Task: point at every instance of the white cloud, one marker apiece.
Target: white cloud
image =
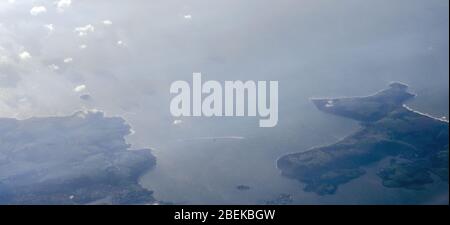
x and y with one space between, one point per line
83 31
80 88
63 5
11 1
50 27
24 55
53 67
177 122
188 16
107 22
83 46
68 60
36 10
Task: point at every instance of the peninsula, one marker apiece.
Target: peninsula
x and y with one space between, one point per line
416 144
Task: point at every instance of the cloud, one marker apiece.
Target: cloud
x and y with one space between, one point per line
24 55
107 22
53 67
187 16
68 60
83 31
177 122
49 27
63 5
80 88
36 10
162 50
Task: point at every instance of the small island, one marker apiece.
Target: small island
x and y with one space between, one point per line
242 187
417 143
281 199
77 159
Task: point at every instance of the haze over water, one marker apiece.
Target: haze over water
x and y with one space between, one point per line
126 62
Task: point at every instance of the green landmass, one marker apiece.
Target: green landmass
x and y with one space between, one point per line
388 129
